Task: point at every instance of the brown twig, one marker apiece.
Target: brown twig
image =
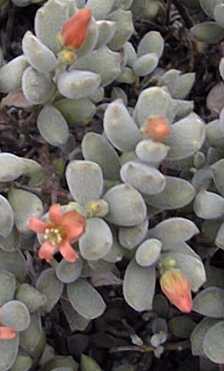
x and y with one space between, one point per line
179 346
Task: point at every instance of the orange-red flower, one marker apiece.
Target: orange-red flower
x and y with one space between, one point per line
58 233
177 288
74 31
7 333
157 128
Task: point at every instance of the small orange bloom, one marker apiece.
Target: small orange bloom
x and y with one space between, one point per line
7 333
157 128
177 288
58 233
74 31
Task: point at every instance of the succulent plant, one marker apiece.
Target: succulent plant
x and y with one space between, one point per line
141 153
137 192
211 31
67 76
22 338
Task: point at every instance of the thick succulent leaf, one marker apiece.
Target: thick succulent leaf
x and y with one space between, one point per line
152 42
130 237
85 180
89 364
8 353
25 204
52 126
97 240
139 286
11 167
120 127
61 363
100 10
198 335
106 31
85 299
130 54
154 101
7 286
176 194
209 229
78 84
209 6
219 240
75 320
11 74
31 297
213 344
183 108
98 95
49 285
38 55
76 111
22 363
147 180
37 87
214 277
97 149
208 32
186 138
127 76
33 340
34 171
191 266
209 205
10 243
15 314
151 152
102 61
128 156
69 272
218 175
202 178
126 206
148 253
146 64
210 302
215 133
179 85
48 21
118 93
116 252
180 247
174 230
218 90
13 262
6 217
125 28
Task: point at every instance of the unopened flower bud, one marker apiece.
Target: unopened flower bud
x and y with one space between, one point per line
156 128
177 289
74 31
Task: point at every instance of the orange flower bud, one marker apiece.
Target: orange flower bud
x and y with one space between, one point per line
7 333
74 31
177 289
157 128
